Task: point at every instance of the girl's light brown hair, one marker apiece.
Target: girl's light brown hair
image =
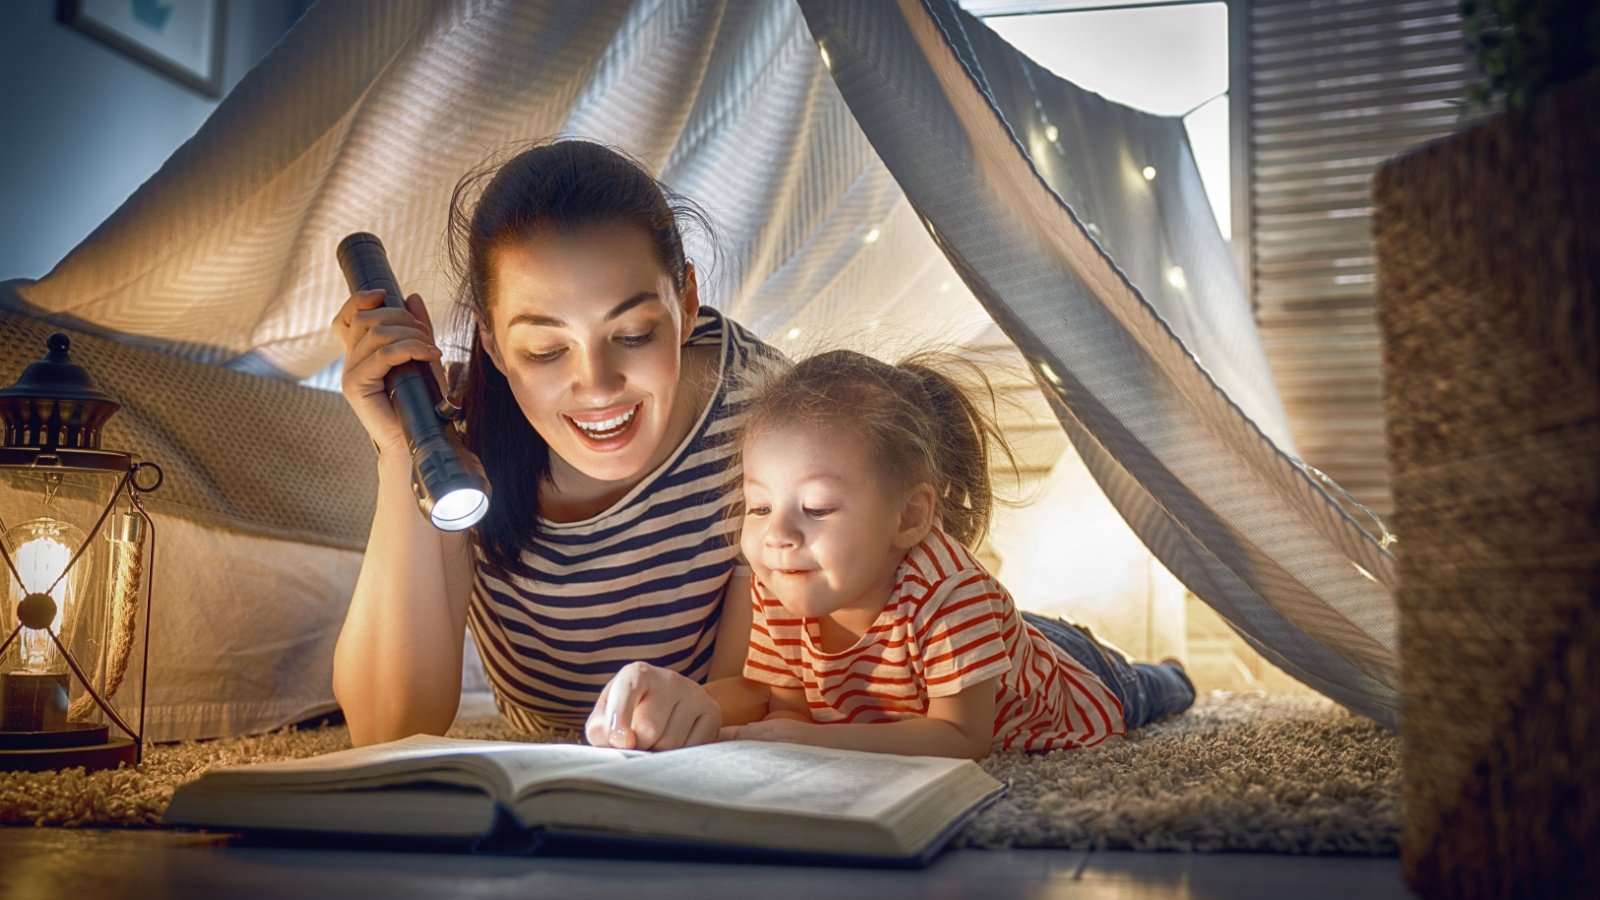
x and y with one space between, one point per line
919 422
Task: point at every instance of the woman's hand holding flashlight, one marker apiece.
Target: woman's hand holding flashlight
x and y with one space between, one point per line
377 338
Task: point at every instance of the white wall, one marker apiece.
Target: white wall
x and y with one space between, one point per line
85 125
1167 60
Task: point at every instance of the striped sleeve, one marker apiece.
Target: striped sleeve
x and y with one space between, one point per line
961 630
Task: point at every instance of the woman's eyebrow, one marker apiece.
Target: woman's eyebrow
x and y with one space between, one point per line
553 322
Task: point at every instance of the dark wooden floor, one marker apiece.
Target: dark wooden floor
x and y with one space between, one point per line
109 865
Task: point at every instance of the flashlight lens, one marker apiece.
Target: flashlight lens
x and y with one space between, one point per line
460 509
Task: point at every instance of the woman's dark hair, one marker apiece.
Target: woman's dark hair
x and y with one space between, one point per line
920 424
561 187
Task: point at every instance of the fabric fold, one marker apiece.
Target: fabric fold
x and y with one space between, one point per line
1194 471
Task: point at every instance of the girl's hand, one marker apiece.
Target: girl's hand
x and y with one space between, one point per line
781 730
646 707
377 338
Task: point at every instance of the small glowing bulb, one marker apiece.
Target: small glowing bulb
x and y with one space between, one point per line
1176 279
40 561
872 236
794 333
944 287
1049 373
1050 133
1149 173
826 59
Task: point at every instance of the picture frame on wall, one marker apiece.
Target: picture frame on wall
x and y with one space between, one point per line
182 39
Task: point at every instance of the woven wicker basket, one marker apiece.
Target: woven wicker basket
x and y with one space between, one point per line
1488 250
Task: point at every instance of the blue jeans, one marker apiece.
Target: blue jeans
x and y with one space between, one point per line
1149 691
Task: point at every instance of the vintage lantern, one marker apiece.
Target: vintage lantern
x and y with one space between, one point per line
76 557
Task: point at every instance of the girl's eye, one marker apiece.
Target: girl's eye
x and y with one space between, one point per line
547 356
636 340
817 513
757 510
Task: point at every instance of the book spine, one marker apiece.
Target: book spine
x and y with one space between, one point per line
508 835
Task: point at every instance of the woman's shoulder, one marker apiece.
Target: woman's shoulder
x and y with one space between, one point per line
742 350
743 363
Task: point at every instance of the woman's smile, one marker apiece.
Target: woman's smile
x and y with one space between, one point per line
589 331
606 430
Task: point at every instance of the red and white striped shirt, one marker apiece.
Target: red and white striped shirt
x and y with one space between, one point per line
947 625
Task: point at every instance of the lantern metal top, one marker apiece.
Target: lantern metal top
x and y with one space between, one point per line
55 405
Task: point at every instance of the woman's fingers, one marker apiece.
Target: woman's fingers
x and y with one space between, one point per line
417 308
623 695
645 707
704 730
401 341
344 320
381 350
596 730
675 712
681 720
376 339
394 336
365 311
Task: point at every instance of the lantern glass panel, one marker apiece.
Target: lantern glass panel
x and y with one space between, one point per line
48 516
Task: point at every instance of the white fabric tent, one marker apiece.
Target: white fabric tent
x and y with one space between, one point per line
366 114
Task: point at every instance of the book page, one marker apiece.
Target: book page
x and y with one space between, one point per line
503 768
792 777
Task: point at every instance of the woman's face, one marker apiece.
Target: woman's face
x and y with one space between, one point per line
587 329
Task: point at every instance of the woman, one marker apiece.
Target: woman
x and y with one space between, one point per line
600 397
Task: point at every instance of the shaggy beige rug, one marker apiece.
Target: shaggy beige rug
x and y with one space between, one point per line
1282 774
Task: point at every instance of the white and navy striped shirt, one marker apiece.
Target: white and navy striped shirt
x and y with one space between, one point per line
642 580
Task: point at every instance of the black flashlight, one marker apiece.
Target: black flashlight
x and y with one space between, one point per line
446 477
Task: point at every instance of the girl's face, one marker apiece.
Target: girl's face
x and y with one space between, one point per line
821 529
587 329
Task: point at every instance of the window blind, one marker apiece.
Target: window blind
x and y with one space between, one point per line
1332 88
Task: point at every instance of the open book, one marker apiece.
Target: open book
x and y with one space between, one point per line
782 800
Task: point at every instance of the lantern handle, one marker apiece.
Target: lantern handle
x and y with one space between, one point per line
138 469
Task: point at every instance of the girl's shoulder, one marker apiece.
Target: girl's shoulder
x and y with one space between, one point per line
940 578
940 561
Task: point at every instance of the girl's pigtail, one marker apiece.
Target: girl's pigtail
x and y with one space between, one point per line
961 439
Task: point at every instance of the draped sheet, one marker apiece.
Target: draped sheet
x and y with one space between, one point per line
365 115
1197 478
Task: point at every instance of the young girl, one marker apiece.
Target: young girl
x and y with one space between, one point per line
865 485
